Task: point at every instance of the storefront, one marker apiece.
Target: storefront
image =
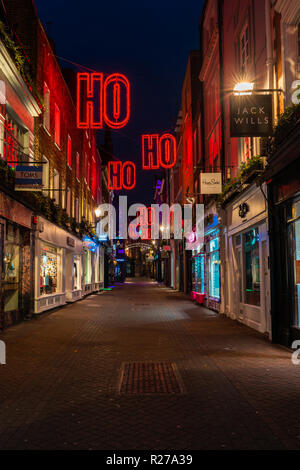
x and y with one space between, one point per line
284 219
206 266
16 273
247 275
92 253
58 267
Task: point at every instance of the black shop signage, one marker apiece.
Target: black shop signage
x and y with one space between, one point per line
251 115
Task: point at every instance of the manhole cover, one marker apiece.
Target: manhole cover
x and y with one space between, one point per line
147 378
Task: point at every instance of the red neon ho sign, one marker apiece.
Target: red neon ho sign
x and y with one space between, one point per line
158 151
100 100
121 175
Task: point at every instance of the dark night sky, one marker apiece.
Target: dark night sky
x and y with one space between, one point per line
147 41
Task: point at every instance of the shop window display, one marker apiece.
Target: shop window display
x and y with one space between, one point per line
214 269
199 274
294 236
50 264
252 267
11 264
76 272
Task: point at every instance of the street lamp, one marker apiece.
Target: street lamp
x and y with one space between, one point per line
98 212
243 88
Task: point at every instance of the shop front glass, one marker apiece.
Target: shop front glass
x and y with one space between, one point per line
200 273
214 268
49 270
88 266
11 266
76 273
294 238
252 267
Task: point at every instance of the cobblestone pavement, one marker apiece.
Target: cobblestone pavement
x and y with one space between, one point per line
59 388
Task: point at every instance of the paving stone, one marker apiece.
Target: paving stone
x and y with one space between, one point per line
59 389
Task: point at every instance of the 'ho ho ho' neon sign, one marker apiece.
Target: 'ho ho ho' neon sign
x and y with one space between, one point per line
102 101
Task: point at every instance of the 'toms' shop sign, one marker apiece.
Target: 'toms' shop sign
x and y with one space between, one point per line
251 115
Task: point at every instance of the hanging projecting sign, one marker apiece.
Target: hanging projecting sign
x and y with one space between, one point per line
29 178
251 116
211 183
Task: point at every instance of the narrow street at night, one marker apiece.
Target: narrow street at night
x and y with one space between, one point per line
216 384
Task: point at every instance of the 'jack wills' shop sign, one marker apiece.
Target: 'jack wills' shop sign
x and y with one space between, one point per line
251 115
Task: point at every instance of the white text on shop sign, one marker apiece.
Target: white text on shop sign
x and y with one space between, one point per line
28 177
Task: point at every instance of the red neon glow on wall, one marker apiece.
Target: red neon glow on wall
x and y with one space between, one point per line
121 175
150 152
86 85
167 150
129 175
158 152
116 79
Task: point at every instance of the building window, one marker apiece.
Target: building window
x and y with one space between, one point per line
84 208
49 270
85 167
89 174
57 125
56 186
77 166
252 267
244 49
14 141
45 175
77 209
46 116
68 201
69 152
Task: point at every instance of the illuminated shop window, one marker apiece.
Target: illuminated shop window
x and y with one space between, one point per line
214 268
57 125
49 270
200 274
294 255
11 272
252 267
